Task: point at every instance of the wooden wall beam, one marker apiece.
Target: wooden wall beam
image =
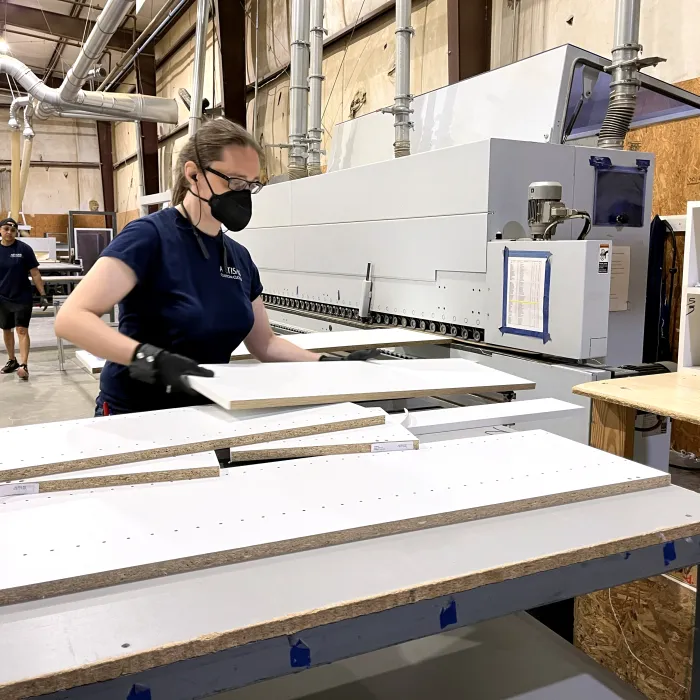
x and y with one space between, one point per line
229 18
146 85
104 143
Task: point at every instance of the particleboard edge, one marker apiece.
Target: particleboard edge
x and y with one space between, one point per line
273 453
283 402
190 448
76 584
94 482
269 629
635 401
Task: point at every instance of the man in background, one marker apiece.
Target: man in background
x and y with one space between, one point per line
17 263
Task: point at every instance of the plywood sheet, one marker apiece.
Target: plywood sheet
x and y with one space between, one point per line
262 511
333 341
182 617
53 448
279 384
673 394
201 465
468 417
389 437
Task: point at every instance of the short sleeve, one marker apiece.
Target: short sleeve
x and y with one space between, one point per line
256 287
138 246
30 258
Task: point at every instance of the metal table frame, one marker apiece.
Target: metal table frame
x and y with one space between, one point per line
240 666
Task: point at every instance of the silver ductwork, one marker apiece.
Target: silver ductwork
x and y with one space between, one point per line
624 81
104 28
401 109
315 88
200 49
298 89
71 98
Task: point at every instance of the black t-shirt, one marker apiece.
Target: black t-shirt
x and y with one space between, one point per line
16 261
182 302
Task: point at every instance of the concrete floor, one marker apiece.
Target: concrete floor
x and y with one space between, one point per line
49 395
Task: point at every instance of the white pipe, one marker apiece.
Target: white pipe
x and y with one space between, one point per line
402 99
200 49
315 88
24 170
298 89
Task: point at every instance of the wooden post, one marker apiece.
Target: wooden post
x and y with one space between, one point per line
612 428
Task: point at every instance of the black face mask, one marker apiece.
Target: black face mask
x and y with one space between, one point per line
233 208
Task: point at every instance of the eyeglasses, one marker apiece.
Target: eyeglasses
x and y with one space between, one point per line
238 184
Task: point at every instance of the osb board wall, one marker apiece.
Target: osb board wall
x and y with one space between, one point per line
677 149
124 217
127 180
655 618
58 223
359 77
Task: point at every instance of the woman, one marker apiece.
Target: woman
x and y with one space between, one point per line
188 294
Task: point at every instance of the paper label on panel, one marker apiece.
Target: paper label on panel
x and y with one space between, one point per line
526 294
18 489
620 278
391 446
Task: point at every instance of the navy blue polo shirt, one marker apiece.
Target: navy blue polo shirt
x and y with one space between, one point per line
16 261
183 302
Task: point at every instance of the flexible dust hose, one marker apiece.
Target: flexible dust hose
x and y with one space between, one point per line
24 171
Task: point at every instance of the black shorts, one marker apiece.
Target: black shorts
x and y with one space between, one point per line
13 315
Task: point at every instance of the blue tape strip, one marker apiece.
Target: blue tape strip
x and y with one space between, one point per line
669 553
544 335
300 655
139 692
448 615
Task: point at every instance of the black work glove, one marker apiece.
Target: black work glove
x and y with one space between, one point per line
357 356
44 302
154 365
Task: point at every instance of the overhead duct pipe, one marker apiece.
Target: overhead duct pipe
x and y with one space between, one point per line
401 108
624 78
200 49
315 88
298 89
95 105
71 97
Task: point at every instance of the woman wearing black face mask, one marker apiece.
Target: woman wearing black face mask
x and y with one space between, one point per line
188 294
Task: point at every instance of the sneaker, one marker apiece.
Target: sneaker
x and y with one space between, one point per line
10 367
23 372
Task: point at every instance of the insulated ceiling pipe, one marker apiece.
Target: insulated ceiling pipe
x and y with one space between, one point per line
106 24
200 51
94 105
624 81
298 89
315 88
401 109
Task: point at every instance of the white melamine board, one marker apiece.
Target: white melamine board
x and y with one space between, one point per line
354 340
277 507
284 384
192 466
378 438
189 614
90 362
52 448
317 342
467 417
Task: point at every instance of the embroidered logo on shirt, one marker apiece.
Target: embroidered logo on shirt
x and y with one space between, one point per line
231 273
16 255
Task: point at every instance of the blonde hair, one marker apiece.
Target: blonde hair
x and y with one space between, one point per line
206 146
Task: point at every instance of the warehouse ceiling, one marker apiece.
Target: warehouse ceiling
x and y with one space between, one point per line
46 35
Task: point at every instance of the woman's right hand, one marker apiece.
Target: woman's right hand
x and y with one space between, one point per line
154 365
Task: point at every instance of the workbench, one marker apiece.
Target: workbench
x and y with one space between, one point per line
616 402
189 635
